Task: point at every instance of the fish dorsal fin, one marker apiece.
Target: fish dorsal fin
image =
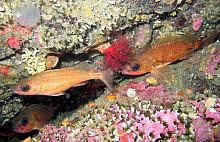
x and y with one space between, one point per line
166 38
161 73
189 36
84 66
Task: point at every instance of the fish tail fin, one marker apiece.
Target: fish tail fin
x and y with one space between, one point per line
212 37
107 78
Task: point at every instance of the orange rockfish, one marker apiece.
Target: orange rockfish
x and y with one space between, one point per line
164 51
32 118
55 82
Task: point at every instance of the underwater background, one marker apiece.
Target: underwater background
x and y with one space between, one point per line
109 70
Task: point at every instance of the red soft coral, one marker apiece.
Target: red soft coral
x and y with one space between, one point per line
118 53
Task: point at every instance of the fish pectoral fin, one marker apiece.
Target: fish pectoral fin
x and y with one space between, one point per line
107 78
80 84
58 94
160 74
185 57
39 129
162 66
190 54
164 39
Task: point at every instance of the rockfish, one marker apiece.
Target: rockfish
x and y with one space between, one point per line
55 82
32 118
164 51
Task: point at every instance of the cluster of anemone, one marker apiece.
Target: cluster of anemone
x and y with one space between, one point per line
136 121
140 120
53 133
207 120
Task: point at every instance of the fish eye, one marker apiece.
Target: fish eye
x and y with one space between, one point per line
135 67
24 121
25 88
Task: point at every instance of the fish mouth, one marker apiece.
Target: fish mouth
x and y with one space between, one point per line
13 127
14 90
126 72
